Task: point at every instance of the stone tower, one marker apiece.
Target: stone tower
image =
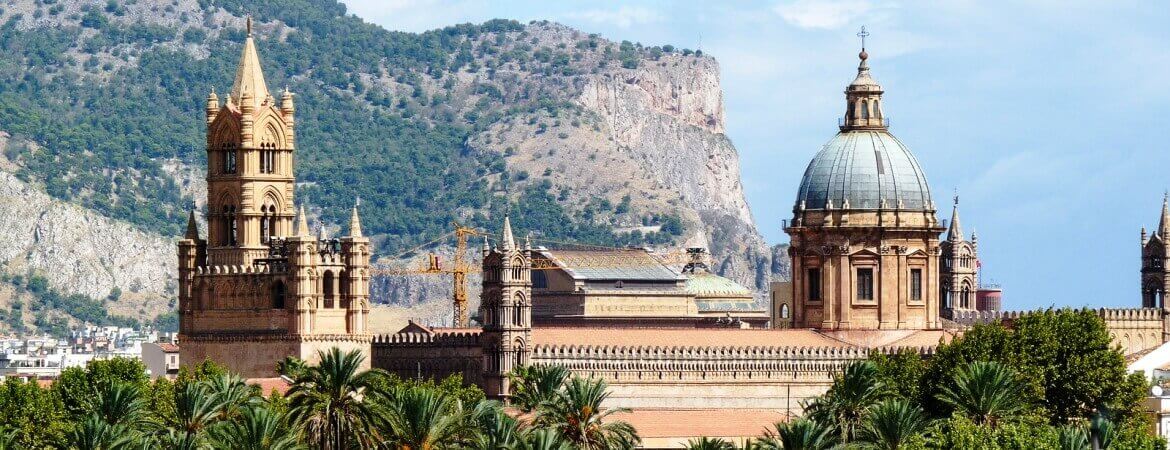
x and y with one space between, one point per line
864 236
960 268
261 287
1155 276
506 311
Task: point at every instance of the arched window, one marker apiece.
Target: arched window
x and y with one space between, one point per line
784 311
327 283
864 109
517 311
230 227
278 295
229 157
267 222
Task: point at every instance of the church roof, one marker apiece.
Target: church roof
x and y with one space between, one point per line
610 264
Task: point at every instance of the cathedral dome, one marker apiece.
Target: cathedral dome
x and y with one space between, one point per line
864 169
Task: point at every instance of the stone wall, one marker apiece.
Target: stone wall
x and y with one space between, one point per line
437 356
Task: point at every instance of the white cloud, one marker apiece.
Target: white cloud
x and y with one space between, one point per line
823 14
623 17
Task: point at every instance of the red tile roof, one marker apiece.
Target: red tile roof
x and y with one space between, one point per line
279 384
168 347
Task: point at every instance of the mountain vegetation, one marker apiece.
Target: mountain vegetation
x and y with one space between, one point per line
111 101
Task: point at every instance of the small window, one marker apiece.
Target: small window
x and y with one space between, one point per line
784 311
619 285
813 284
865 284
915 284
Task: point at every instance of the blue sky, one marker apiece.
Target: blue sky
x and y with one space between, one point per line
1050 118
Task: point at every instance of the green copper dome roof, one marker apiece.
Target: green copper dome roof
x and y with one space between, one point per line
870 169
706 284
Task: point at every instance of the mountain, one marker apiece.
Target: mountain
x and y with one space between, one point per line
578 138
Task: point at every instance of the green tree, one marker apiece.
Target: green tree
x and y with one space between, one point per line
892 425
986 392
422 418
257 428
706 443
799 434
35 416
81 388
330 401
846 404
576 415
535 385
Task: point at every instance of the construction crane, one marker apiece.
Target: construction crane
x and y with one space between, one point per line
458 271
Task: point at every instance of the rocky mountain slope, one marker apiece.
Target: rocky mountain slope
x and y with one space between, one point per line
581 139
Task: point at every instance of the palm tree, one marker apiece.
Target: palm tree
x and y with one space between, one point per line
95 434
987 392
576 414
533 385
329 401
799 434
196 410
7 439
706 443
421 418
120 404
542 439
1073 437
854 391
891 425
291 367
497 431
231 394
257 428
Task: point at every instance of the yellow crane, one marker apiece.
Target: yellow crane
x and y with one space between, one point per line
458 271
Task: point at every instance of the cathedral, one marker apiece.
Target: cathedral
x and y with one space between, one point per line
864 234
260 287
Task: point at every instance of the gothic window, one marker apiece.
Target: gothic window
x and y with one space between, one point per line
915 284
278 295
327 284
267 222
229 158
813 284
865 284
517 311
965 296
230 227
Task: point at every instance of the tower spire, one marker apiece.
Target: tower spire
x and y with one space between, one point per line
1164 224
249 76
955 233
192 227
355 222
508 241
302 223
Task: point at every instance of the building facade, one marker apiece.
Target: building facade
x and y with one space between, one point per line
864 235
260 287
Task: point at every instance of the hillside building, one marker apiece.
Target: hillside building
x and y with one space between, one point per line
260 287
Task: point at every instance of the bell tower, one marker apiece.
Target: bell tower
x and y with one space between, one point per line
250 142
960 268
506 311
1155 277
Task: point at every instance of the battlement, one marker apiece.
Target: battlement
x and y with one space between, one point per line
238 270
979 317
448 339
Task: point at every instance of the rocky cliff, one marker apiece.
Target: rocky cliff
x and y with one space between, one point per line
456 124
